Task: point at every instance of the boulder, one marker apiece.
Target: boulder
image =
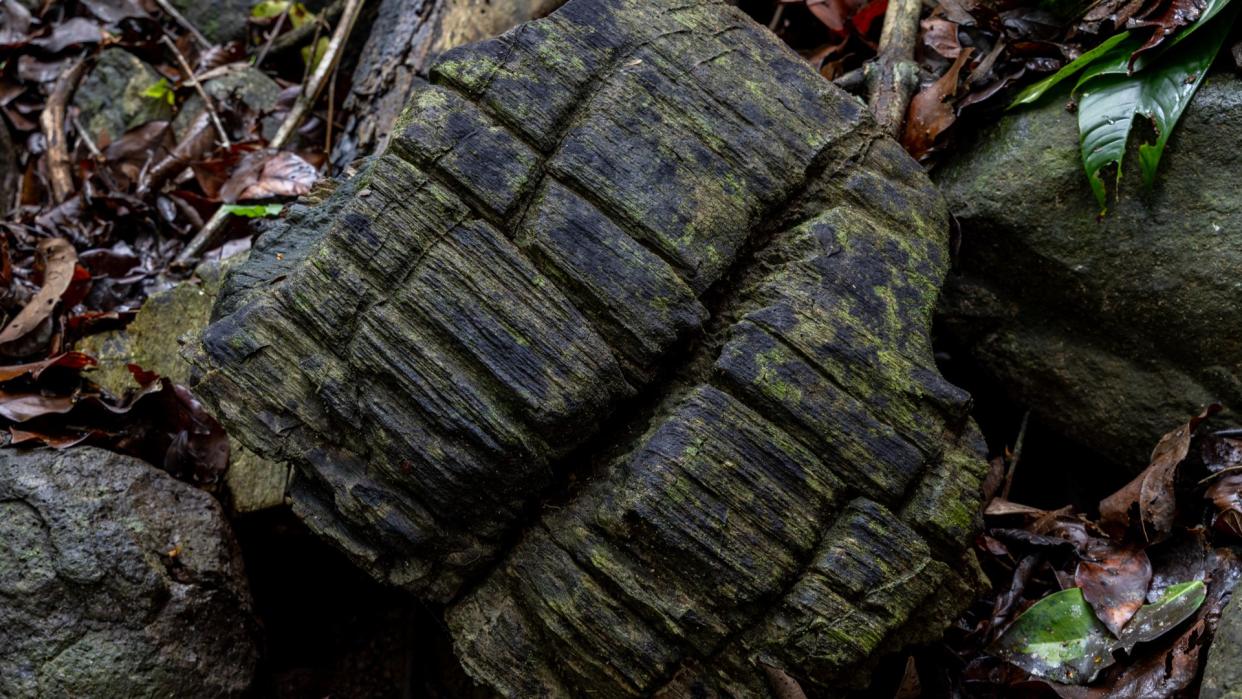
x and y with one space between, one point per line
247 86
153 341
218 20
116 581
1111 329
110 98
1222 676
620 351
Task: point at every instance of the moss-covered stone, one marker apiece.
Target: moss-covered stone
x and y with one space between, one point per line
627 367
110 98
218 20
153 341
1110 329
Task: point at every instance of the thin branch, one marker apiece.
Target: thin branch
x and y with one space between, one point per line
101 161
301 108
52 121
294 37
208 104
185 23
893 76
271 37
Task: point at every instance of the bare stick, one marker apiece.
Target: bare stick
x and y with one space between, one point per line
207 103
893 76
185 23
52 121
294 37
95 152
305 101
267 45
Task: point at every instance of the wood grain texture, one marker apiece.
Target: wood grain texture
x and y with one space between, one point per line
620 352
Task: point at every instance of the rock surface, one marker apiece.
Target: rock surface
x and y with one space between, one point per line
1222 677
153 341
111 98
116 581
621 351
1110 330
247 86
218 20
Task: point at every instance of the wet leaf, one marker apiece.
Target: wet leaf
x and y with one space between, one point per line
1033 92
1058 638
70 360
1226 495
60 260
72 32
1146 506
20 407
1151 621
1114 582
940 35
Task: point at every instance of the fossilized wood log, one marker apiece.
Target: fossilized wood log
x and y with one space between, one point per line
405 36
621 352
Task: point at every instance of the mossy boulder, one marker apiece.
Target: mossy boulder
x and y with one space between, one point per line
153 341
1109 328
117 581
110 98
620 353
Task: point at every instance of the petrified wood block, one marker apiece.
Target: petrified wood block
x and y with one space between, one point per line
620 351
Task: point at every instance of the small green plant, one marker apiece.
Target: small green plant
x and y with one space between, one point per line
161 91
253 210
1119 80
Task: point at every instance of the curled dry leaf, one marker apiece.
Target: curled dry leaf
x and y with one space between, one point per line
59 259
930 113
1226 495
1146 506
940 35
266 174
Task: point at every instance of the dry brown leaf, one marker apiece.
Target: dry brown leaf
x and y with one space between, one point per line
940 35
266 174
930 114
1148 504
1114 581
59 258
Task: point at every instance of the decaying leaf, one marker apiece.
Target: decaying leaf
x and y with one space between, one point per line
1147 505
266 174
1114 582
1154 620
1226 495
930 113
59 259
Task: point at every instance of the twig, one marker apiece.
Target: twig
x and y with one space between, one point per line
185 23
207 101
301 107
95 152
271 37
294 37
52 121
893 76
1017 455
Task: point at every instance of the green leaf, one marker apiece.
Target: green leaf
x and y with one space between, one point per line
1177 604
253 210
1058 639
1033 92
1109 100
267 9
161 91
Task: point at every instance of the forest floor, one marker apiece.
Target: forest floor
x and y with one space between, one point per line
110 201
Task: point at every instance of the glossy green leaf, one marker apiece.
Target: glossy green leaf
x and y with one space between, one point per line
1033 92
1058 639
253 210
161 91
1177 604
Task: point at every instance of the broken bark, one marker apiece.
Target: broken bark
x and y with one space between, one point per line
406 36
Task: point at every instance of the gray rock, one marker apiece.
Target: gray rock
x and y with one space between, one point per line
1114 330
116 581
110 98
1222 678
218 20
248 86
153 341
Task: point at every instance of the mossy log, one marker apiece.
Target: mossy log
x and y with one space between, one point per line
620 352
